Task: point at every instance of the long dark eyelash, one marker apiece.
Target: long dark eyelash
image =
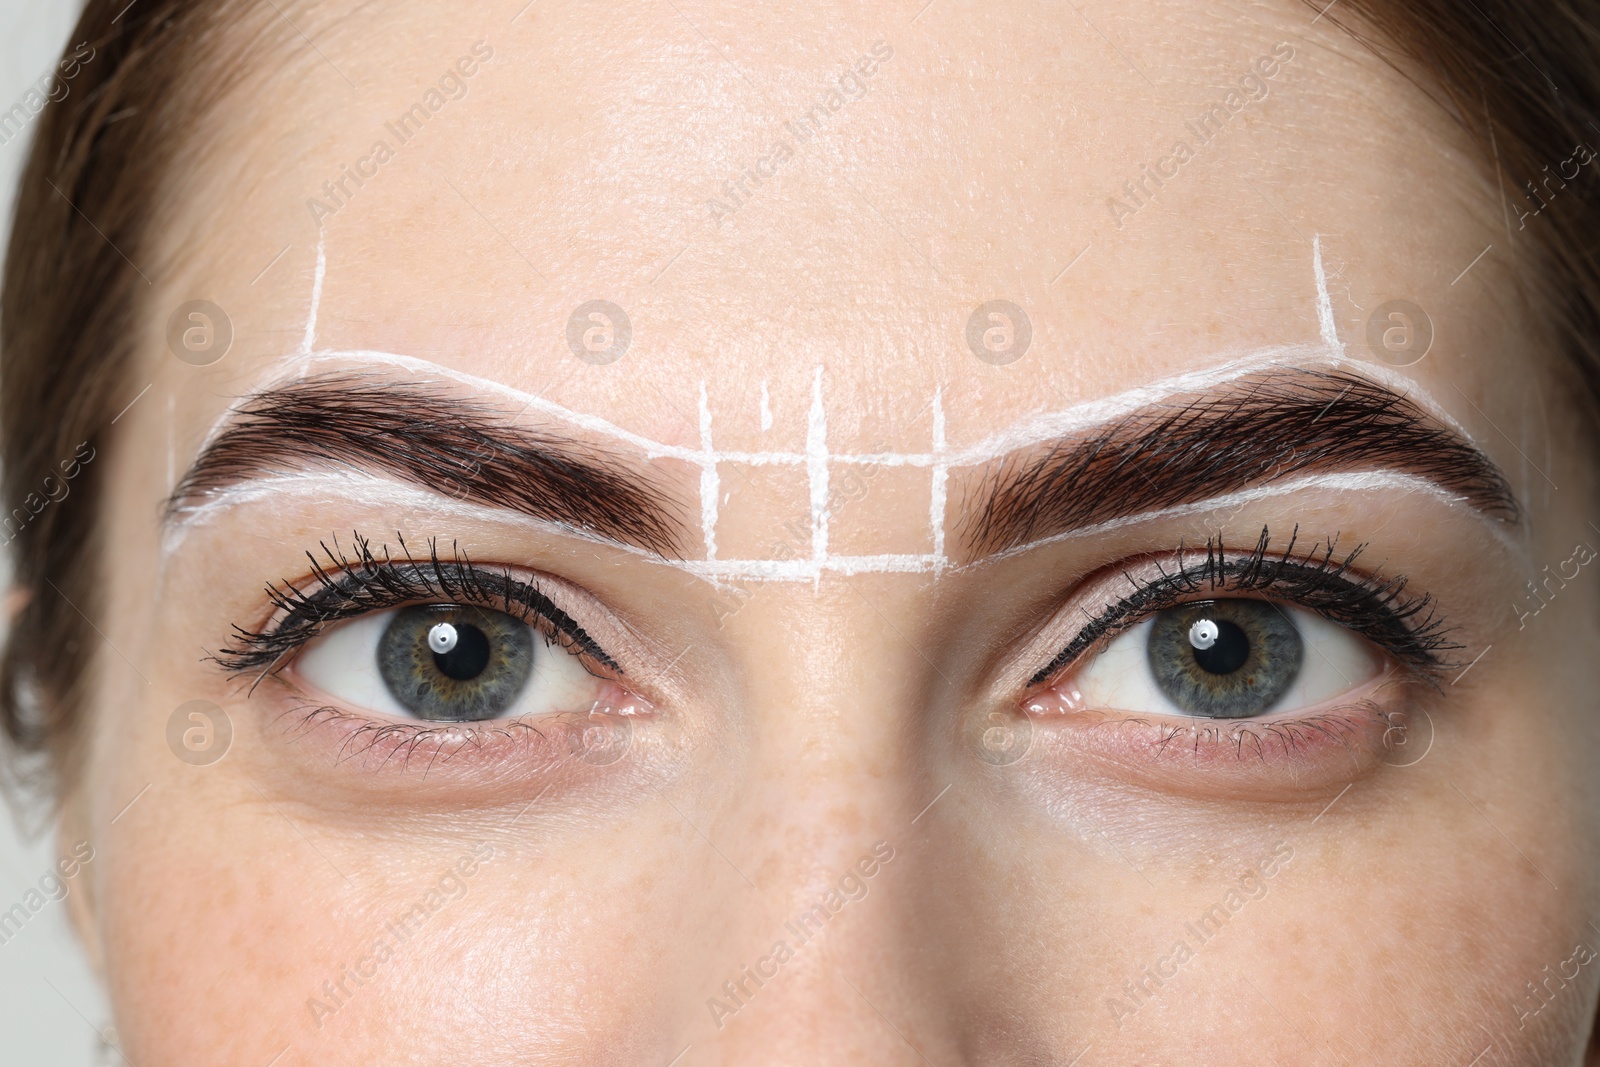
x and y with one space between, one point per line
350 585
1375 607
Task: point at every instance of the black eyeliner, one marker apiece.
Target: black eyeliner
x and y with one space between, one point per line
1374 607
349 586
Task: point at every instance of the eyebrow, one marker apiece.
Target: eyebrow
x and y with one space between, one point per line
442 442
1256 430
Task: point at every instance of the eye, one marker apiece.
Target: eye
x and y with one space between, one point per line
448 663
1224 659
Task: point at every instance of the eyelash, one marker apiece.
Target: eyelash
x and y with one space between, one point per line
348 586
345 588
1408 628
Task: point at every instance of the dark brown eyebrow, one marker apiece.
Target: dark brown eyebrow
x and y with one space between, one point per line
444 442
1256 430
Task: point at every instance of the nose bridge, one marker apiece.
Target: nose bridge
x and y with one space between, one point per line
817 963
823 817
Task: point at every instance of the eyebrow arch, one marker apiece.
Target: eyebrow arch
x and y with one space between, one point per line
1256 430
442 442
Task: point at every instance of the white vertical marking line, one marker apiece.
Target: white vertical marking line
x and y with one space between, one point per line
1329 329
817 470
708 477
941 475
308 345
766 408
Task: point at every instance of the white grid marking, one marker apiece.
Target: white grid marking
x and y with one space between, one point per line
817 459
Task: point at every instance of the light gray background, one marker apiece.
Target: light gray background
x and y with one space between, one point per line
51 1006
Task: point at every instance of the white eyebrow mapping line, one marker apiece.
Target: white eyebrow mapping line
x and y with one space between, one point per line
377 490
1035 430
1345 481
1325 321
1093 414
372 490
383 491
308 343
816 458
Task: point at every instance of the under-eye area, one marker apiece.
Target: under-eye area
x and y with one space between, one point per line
501 750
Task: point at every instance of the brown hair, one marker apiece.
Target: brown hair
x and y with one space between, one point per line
142 76
1521 78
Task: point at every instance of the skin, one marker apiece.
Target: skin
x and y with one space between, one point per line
796 727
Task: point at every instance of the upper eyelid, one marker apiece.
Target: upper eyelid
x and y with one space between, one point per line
546 608
1165 591
343 580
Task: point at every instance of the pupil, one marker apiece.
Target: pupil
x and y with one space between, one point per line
468 658
1227 651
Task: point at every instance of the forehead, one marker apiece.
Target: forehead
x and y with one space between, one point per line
771 193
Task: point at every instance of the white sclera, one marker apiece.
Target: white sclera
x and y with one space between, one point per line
1335 661
343 664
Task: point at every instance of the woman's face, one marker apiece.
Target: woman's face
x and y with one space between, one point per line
779 534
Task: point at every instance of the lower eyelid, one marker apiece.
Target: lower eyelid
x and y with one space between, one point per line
509 749
1240 762
1287 758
